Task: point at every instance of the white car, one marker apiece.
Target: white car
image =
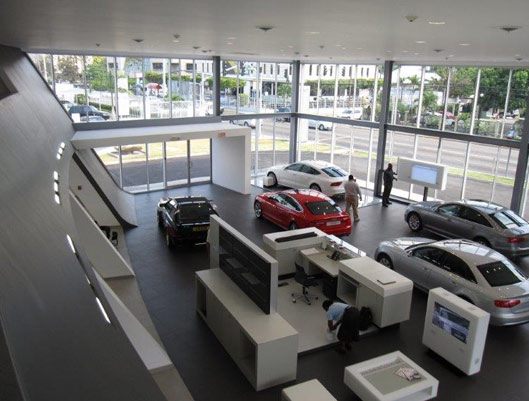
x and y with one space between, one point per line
314 174
352 113
322 125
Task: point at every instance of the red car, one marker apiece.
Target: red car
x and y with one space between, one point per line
301 208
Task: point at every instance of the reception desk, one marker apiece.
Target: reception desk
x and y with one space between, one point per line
264 346
364 282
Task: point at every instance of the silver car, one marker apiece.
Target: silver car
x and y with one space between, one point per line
484 222
470 270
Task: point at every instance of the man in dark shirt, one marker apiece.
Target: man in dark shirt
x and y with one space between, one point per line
389 176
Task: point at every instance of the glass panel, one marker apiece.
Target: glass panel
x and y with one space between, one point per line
284 87
326 99
365 85
480 175
248 87
323 138
515 116
282 140
505 172
346 106
176 163
406 95
204 88
69 84
433 98
403 145
228 86
309 89
110 158
43 64
266 145
155 162
182 86
130 88
100 81
200 160
461 97
342 146
134 168
426 151
156 87
453 154
491 101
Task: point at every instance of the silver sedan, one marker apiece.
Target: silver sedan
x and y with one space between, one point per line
472 271
484 222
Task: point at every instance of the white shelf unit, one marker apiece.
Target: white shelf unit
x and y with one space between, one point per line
264 347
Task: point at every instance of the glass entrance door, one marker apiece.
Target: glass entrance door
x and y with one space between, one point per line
177 163
199 160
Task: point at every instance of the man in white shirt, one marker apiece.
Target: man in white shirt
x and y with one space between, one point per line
352 194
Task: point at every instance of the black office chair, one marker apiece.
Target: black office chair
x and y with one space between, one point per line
306 281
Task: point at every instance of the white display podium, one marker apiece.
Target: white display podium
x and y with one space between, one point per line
311 390
264 347
365 282
456 330
375 380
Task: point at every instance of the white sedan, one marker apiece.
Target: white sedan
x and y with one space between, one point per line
314 174
322 125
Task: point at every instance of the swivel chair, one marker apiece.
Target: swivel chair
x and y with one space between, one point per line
306 281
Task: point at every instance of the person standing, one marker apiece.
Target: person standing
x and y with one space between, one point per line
352 194
347 318
389 176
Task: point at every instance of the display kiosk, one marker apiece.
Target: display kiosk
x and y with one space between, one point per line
365 282
456 330
426 174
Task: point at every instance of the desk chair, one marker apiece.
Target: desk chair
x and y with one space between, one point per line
306 281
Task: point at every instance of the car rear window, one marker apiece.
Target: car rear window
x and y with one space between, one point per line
333 172
499 274
194 212
508 219
322 207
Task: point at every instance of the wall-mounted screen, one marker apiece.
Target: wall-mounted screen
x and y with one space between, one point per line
246 268
425 174
450 322
431 175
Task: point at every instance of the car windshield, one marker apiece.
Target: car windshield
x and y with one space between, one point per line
501 273
322 207
334 172
508 219
194 212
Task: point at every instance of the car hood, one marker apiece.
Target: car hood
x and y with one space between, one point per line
406 242
425 205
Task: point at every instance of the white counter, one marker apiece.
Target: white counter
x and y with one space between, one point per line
264 346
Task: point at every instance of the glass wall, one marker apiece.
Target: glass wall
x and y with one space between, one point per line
43 64
68 73
100 88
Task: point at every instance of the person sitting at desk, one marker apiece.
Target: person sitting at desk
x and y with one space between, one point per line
346 317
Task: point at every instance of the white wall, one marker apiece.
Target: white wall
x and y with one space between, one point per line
105 258
83 189
230 163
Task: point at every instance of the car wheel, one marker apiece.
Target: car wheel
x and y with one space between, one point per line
321 127
293 226
246 124
160 221
385 260
315 187
414 222
168 239
257 209
274 179
482 241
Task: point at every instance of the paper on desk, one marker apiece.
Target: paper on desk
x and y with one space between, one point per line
311 251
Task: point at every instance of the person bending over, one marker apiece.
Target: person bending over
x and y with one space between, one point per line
346 318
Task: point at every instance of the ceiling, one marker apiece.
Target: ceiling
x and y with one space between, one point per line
309 30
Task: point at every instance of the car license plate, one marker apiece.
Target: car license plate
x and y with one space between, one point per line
201 228
333 223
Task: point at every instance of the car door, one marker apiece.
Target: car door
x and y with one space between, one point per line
283 211
289 175
474 224
423 260
306 176
272 209
443 218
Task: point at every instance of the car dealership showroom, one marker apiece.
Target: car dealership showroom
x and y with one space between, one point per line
299 201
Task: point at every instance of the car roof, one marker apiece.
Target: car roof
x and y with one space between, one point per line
182 200
482 205
306 195
471 252
318 164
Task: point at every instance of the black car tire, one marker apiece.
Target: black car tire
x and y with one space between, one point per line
482 241
274 178
246 124
293 226
321 127
168 240
257 210
315 187
385 260
414 222
160 220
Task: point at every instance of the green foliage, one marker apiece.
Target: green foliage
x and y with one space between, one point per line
284 90
79 99
68 69
429 101
154 77
99 76
244 99
175 97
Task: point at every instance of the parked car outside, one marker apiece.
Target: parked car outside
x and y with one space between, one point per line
184 218
467 269
284 110
487 223
84 111
314 174
322 125
353 114
66 104
293 209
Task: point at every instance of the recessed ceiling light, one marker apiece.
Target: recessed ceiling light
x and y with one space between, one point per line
56 174
416 54
229 43
411 17
176 41
464 44
138 40
231 38
436 22
70 242
312 33
420 41
290 46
